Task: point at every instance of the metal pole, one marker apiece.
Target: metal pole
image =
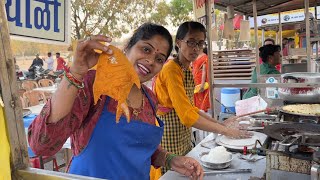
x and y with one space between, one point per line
306 5
317 42
280 29
209 35
280 34
317 49
254 2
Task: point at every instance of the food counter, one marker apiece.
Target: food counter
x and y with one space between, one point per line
258 167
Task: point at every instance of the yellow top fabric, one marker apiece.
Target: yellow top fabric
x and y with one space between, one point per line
171 93
5 172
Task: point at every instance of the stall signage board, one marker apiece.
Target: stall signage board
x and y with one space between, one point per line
39 20
199 10
286 17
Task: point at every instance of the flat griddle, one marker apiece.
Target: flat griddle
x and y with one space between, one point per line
310 131
297 114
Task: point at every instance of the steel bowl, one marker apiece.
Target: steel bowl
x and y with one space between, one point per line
211 165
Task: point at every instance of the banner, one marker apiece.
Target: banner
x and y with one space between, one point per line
39 20
199 11
286 17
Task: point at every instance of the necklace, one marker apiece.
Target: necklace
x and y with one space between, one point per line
180 64
136 111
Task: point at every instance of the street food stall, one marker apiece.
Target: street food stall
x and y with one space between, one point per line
288 146
291 121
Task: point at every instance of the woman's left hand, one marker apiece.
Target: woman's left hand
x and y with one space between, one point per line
187 166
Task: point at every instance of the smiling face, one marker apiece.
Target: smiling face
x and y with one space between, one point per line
148 56
189 45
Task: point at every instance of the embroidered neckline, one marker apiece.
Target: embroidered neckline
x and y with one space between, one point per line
136 111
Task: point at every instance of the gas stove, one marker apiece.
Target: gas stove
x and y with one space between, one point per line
293 150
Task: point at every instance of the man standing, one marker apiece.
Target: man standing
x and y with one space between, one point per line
61 63
271 57
49 61
37 61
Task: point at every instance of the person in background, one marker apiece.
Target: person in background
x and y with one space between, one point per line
174 88
200 74
291 43
49 61
103 148
61 63
271 56
37 61
268 41
272 42
285 48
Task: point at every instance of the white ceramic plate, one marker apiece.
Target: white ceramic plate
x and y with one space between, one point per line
238 144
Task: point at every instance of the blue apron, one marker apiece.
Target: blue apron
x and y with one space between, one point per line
119 151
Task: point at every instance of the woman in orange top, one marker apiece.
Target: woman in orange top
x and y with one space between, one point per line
199 71
174 88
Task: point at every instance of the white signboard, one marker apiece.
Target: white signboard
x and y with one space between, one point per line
286 17
318 12
200 10
39 20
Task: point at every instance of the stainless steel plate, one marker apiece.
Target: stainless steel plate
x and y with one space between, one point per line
211 165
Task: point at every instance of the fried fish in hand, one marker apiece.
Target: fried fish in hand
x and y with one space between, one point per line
115 76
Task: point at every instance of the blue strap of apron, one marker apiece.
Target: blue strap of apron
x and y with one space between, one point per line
151 103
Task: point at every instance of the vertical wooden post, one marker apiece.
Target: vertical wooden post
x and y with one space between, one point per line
209 35
254 2
308 49
13 113
280 34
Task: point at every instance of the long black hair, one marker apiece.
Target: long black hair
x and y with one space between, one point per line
186 27
146 31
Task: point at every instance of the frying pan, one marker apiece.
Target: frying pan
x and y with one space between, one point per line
280 131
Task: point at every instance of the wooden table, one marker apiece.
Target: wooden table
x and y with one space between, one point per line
35 109
49 89
66 146
257 167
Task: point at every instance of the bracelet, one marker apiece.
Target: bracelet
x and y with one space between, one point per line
165 158
73 81
168 160
76 79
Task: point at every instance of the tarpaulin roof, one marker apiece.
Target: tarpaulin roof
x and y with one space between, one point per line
263 6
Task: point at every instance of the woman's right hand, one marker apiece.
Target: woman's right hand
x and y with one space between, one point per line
85 56
238 134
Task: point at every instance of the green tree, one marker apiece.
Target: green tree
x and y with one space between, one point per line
160 15
180 11
111 17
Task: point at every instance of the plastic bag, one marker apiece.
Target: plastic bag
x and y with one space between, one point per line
249 105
